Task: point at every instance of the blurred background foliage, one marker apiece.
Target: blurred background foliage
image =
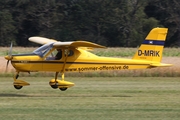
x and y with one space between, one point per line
113 23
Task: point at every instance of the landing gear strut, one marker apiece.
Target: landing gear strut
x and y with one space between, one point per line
61 84
18 87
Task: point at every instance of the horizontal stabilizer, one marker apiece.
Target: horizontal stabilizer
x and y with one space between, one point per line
161 65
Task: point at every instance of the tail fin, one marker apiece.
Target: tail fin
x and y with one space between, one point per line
152 47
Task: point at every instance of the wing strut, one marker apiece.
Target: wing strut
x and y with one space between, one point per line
63 68
61 84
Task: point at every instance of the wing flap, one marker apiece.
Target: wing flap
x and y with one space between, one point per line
78 44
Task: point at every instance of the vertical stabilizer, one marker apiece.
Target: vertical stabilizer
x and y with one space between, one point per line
152 47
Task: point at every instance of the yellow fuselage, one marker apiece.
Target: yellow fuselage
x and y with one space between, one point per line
81 61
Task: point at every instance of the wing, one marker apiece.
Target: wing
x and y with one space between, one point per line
75 44
86 45
41 40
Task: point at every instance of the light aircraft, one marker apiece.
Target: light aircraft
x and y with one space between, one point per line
62 57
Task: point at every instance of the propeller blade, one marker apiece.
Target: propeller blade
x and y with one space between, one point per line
7 65
10 50
9 57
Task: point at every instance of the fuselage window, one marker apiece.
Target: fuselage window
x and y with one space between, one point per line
71 53
68 52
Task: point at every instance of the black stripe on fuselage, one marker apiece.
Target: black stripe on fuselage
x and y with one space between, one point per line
59 62
26 54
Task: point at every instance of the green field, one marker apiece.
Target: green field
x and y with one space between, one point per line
92 98
109 52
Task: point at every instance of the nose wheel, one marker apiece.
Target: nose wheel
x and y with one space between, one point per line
18 87
18 84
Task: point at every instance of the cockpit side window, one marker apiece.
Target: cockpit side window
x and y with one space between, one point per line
41 51
58 55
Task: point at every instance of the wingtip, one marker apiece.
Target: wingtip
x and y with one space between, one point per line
41 40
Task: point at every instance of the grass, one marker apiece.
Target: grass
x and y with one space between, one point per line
16 50
92 98
109 52
129 52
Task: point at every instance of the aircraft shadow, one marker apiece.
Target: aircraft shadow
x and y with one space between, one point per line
55 95
13 95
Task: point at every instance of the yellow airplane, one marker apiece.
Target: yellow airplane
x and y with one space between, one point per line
61 57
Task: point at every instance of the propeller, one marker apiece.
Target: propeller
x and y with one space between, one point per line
9 56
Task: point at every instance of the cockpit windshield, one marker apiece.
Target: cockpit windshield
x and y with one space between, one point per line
41 51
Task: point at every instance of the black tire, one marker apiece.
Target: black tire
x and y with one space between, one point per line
63 89
18 87
54 86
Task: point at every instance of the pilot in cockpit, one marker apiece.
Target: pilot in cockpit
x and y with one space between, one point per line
58 55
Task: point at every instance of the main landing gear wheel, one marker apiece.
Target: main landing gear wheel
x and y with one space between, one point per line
18 87
54 86
63 89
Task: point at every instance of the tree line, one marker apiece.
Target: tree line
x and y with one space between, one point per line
113 23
